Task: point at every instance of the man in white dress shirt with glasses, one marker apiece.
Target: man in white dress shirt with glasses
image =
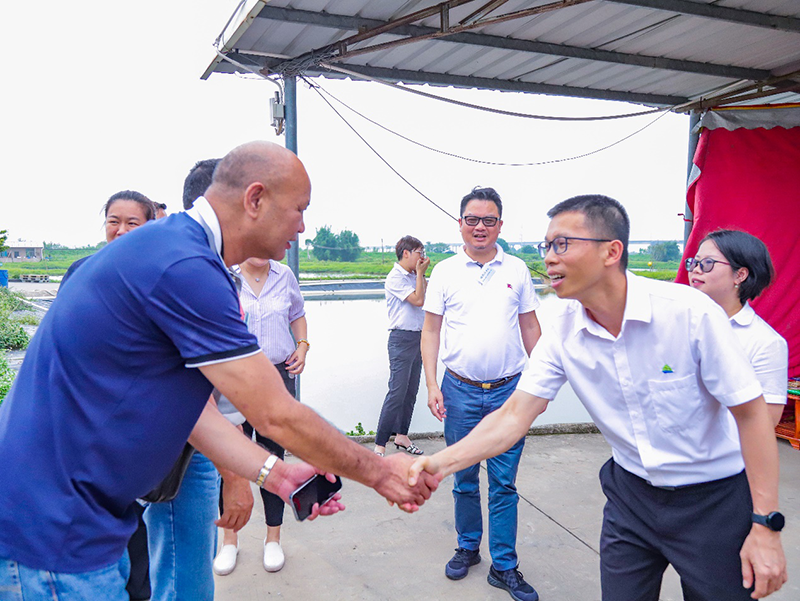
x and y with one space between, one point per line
659 369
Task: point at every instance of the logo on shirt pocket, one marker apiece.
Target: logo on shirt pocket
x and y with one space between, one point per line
677 402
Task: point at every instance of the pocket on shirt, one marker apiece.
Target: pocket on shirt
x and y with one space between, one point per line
677 402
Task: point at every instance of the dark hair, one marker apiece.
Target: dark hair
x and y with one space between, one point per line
161 205
605 216
409 243
482 194
741 249
148 205
198 181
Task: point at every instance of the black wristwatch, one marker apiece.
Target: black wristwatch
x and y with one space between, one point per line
774 521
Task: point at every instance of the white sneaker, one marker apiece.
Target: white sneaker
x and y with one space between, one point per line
273 556
225 561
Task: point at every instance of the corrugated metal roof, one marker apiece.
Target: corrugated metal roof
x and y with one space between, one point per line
655 52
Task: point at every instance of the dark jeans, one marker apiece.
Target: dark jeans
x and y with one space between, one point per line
466 406
273 504
698 529
405 366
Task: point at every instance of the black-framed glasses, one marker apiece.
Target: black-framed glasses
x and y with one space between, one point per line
473 220
706 264
561 244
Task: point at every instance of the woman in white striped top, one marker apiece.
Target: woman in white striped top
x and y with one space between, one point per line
275 314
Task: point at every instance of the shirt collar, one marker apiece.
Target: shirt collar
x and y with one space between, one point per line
498 258
204 214
399 268
745 316
637 307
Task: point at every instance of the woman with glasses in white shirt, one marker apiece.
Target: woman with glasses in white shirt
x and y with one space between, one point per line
745 270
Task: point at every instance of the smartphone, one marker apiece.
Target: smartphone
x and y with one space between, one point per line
317 489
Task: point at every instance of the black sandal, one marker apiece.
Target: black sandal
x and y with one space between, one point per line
411 449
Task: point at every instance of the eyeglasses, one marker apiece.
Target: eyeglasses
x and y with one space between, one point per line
706 264
472 220
421 252
560 245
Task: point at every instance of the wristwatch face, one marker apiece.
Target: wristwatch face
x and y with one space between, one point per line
776 521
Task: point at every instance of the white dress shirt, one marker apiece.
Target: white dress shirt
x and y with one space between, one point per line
398 286
660 391
767 351
481 338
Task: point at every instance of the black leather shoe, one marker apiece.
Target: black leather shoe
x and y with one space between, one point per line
462 561
513 582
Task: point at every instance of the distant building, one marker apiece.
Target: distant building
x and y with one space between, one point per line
22 251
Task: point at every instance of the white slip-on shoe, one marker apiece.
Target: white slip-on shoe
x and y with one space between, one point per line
273 556
225 561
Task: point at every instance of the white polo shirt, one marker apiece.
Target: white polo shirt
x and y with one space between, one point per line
398 286
481 339
767 351
660 391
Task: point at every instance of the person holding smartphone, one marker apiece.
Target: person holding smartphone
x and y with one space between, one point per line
275 314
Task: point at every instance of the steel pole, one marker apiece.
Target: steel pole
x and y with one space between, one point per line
688 218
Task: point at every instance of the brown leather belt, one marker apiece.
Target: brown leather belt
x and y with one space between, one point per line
484 385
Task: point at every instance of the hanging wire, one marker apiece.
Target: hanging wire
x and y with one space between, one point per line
479 107
316 87
396 172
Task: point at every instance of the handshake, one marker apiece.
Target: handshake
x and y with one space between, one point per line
409 482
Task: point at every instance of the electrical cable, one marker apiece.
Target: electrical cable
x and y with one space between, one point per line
396 172
316 87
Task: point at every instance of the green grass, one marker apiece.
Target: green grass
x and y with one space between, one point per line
6 377
368 265
12 335
62 258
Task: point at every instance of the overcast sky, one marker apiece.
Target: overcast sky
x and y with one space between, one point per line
100 96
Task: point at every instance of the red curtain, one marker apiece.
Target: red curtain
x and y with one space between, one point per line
750 180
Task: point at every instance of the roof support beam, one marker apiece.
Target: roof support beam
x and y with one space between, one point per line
721 13
460 81
356 23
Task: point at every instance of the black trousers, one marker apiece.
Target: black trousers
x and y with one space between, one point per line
699 530
138 586
273 504
405 366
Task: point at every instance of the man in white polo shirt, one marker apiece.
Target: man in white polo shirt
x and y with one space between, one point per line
660 371
405 292
486 302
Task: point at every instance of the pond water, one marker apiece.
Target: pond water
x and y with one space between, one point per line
347 369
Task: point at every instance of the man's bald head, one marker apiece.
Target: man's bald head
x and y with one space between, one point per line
259 193
264 162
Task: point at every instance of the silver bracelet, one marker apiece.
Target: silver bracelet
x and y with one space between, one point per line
266 469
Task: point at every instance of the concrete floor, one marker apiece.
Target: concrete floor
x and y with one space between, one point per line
373 552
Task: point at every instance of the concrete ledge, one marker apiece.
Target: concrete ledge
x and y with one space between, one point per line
550 429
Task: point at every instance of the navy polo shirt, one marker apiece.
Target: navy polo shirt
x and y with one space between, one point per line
107 396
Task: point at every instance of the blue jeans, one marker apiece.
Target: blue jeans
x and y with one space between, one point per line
18 582
466 405
182 537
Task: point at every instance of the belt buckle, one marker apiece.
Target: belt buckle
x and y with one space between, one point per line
486 385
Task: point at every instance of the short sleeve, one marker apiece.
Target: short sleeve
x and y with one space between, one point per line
724 367
297 308
195 304
528 299
545 374
434 295
398 286
771 364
